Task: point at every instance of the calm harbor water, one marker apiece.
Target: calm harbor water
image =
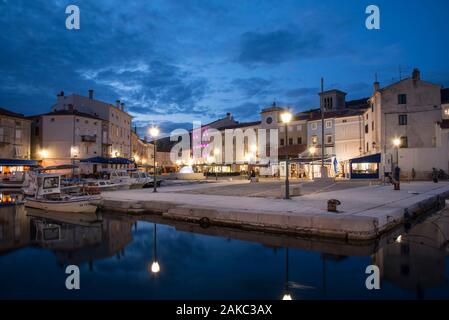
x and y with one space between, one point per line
115 253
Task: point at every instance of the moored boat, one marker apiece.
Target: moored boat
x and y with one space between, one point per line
48 196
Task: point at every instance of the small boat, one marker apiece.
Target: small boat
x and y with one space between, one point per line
138 179
14 180
106 185
48 196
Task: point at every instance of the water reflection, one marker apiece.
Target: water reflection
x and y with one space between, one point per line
213 262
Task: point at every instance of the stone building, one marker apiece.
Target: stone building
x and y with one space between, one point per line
14 135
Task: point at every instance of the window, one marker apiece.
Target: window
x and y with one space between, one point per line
402 99
446 111
314 139
367 146
366 128
314 125
36 131
86 122
328 124
77 120
344 121
290 141
299 140
290 128
299 128
18 123
367 116
51 182
372 107
269 120
282 142
281 129
404 142
402 119
18 134
372 125
52 119
328 138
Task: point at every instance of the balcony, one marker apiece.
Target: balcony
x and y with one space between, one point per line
89 138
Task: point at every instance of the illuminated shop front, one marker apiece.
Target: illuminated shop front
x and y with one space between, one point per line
366 167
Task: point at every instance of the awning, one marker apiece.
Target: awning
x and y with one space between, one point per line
372 158
103 160
18 162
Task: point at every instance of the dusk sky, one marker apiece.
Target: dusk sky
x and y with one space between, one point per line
172 62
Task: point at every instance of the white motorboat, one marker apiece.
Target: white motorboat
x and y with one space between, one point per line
48 196
106 185
138 179
14 180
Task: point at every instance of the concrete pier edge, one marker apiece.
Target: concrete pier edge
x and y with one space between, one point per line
347 227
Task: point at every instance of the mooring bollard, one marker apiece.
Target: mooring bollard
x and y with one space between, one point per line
332 205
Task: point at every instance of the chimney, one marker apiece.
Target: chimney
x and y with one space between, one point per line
228 115
60 94
376 86
117 104
122 105
91 94
416 74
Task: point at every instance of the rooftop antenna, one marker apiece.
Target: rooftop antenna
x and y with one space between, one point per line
400 73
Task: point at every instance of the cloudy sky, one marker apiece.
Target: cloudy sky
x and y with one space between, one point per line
174 61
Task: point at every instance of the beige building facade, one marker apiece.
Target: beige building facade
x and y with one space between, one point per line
14 135
116 132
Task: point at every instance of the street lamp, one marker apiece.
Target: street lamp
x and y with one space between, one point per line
312 151
397 144
154 132
216 153
286 117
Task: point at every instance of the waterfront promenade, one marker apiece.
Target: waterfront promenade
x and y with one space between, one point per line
366 211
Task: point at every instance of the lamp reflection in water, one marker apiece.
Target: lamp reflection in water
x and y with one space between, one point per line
287 295
154 268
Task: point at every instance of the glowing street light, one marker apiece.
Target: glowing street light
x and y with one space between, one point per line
286 117
312 151
43 153
154 132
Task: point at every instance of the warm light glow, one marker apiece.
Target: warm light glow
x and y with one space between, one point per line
312 150
144 161
399 239
178 162
286 117
287 296
115 153
190 162
253 148
210 159
155 268
397 142
248 157
43 153
136 158
216 151
154 131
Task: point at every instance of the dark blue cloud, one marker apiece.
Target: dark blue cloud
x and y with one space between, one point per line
278 46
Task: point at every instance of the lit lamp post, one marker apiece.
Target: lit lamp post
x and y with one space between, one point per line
312 151
154 132
216 153
155 267
397 144
286 117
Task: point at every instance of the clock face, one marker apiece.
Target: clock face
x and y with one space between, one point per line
269 120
